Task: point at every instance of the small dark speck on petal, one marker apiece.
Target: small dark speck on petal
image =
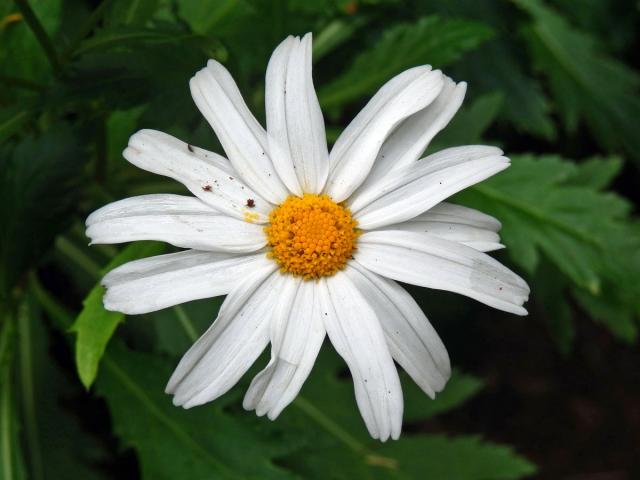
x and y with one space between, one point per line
190 148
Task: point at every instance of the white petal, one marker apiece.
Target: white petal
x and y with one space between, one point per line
229 347
357 336
356 149
297 332
295 125
432 262
181 221
154 283
412 137
242 137
207 177
457 224
450 212
412 341
406 192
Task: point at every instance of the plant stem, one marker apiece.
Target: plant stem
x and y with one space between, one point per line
41 35
28 396
62 318
6 458
186 323
71 251
6 417
329 425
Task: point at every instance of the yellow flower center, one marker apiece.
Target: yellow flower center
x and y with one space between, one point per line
311 236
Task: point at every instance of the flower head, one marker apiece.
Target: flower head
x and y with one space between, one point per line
305 242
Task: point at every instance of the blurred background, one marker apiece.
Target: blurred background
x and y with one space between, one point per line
555 395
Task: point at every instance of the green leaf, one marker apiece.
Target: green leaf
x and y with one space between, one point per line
499 66
540 211
57 445
549 205
596 172
326 421
617 306
431 40
586 82
470 123
94 326
175 443
38 193
551 304
463 458
460 388
526 105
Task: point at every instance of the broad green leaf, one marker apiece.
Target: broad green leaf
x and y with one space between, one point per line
38 192
498 65
95 325
549 205
617 306
438 457
460 388
526 105
540 212
326 413
431 40
586 83
470 123
56 445
596 172
172 442
550 303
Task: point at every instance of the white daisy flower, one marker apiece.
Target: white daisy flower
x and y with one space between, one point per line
305 242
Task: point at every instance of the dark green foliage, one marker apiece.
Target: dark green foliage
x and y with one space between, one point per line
554 80
95 325
587 83
39 180
174 443
553 206
431 40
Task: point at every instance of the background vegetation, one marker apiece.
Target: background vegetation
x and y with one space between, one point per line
552 395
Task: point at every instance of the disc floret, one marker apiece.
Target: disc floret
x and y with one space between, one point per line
311 236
